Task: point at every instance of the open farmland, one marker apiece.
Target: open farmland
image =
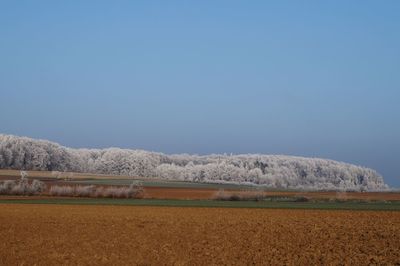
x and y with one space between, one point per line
62 234
170 189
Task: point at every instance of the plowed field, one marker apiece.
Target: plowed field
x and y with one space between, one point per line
100 235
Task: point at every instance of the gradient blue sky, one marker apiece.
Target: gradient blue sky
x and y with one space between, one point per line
308 78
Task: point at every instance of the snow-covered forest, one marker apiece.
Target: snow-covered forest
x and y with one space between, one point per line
269 170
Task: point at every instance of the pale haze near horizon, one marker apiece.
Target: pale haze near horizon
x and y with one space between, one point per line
316 79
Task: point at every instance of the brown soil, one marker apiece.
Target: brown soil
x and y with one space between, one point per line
100 235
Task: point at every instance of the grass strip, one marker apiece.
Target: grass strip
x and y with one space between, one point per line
388 206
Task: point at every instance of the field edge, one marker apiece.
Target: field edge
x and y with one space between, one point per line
375 206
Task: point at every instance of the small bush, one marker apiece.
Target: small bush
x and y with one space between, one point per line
243 196
85 191
6 186
301 199
66 191
38 186
22 187
234 197
119 192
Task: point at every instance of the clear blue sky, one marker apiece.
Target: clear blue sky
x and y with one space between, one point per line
313 78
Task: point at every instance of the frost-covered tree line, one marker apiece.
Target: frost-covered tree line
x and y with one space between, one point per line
269 170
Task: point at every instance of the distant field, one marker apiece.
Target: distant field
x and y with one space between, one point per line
162 183
162 189
134 235
49 174
96 179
